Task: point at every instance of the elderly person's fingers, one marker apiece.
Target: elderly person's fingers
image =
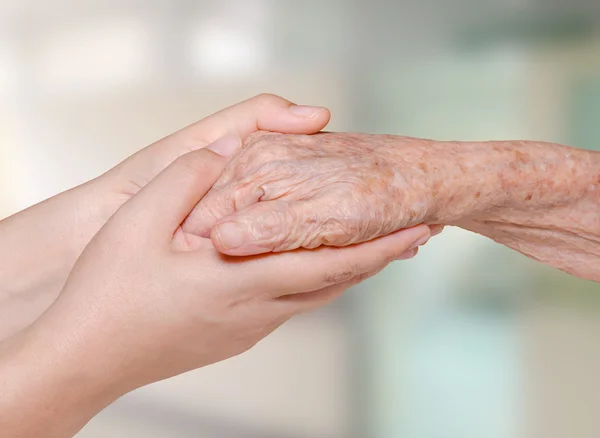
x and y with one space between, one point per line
283 192
277 226
329 265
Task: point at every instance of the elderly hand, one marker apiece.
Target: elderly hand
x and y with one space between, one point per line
139 307
283 192
289 191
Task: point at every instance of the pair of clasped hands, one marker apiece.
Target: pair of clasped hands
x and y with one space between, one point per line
159 278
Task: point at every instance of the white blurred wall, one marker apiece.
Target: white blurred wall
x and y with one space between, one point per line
85 84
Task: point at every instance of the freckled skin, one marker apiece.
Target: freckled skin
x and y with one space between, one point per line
326 189
547 209
337 189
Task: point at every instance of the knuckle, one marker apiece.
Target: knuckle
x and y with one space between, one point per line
339 232
261 149
268 99
200 222
240 197
246 164
232 197
225 180
264 146
293 229
274 225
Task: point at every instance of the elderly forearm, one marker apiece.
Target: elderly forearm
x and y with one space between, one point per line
540 199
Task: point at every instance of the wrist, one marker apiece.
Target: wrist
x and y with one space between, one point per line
439 179
470 179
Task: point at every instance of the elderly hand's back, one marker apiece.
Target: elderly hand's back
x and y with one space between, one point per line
283 192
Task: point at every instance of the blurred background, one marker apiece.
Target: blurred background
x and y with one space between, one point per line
467 340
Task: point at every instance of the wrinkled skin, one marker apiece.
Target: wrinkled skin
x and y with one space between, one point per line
137 309
288 191
31 278
304 191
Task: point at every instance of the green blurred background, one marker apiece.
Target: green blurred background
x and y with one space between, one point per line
467 340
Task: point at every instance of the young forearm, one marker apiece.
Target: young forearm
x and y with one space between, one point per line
39 247
50 383
540 199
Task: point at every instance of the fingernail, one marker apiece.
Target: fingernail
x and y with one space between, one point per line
408 254
225 146
308 112
231 234
420 241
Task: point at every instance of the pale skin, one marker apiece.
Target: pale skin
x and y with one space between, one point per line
33 270
287 193
138 307
295 191
138 299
